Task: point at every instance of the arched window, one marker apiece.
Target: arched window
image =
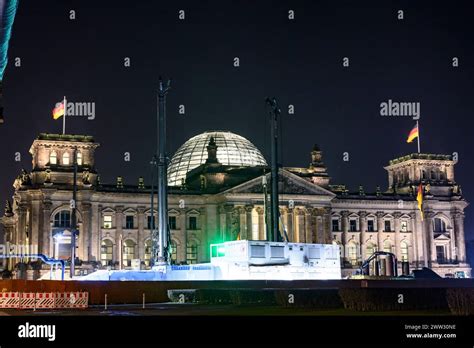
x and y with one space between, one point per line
387 246
439 225
404 251
53 158
62 219
128 252
352 253
192 252
370 249
106 252
174 251
147 252
66 159
79 158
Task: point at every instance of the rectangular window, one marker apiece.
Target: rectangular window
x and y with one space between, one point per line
370 226
404 226
353 225
107 221
191 254
440 257
388 226
335 225
129 221
148 223
193 223
172 222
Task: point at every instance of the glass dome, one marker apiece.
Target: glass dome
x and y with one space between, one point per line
232 149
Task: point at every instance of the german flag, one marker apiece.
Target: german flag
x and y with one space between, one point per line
413 134
58 111
419 198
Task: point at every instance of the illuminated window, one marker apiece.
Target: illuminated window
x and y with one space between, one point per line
370 249
62 219
174 251
192 252
147 252
66 159
404 226
404 251
107 223
53 157
352 253
79 158
106 252
128 252
387 246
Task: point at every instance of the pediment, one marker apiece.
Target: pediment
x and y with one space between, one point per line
288 183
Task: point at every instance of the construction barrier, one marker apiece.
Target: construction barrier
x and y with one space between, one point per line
44 300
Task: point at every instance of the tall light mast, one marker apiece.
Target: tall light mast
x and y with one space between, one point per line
160 237
274 235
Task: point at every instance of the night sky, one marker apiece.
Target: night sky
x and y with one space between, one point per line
298 61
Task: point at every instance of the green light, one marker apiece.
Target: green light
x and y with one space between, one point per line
221 251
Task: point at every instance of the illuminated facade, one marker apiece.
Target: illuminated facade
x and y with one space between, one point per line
222 198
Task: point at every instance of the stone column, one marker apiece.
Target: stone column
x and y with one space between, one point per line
458 218
84 252
308 225
242 223
363 229
119 227
35 226
290 218
345 227
397 224
414 239
47 237
229 215
327 225
182 252
22 224
96 232
300 225
203 246
248 222
141 235
261 224
380 215
429 236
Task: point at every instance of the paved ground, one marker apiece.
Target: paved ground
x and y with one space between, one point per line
174 309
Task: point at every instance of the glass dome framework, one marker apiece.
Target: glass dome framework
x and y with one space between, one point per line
232 149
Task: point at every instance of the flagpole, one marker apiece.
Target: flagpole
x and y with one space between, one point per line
418 137
64 117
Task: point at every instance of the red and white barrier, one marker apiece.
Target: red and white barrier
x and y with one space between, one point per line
44 300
